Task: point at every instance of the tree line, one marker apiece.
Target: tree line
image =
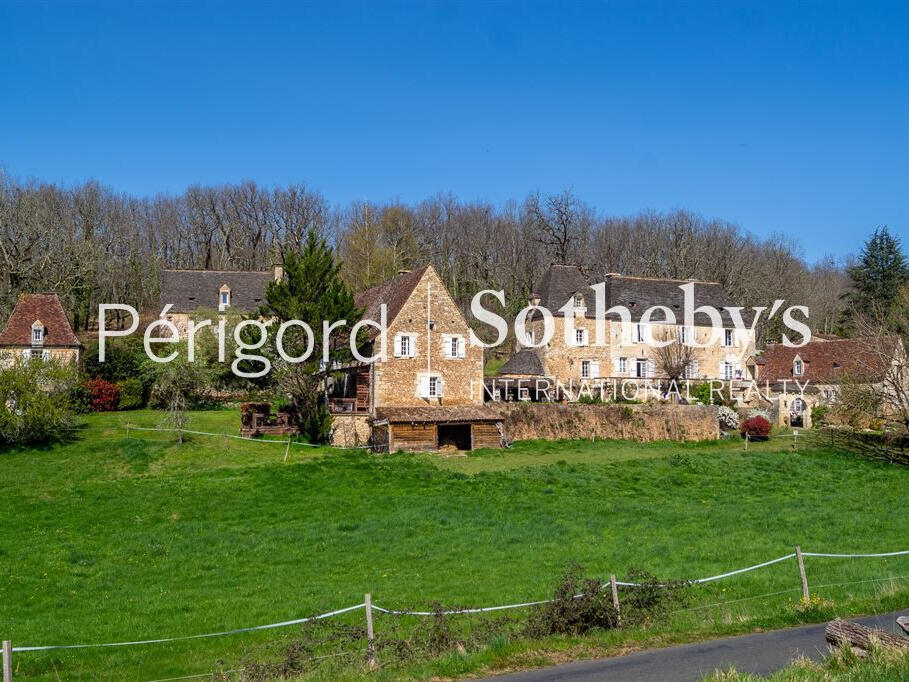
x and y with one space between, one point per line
91 244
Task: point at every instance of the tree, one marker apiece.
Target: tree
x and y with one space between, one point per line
311 291
34 402
673 358
880 272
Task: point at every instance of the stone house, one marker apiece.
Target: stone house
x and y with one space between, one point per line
38 328
428 391
794 380
235 291
625 355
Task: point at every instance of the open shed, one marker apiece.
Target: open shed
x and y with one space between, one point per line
434 428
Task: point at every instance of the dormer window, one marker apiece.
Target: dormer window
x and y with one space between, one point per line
578 301
37 333
224 297
798 367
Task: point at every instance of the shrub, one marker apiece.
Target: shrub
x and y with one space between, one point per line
80 399
707 394
592 399
131 394
579 605
105 396
35 404
123 360
756 428
728 418
819 414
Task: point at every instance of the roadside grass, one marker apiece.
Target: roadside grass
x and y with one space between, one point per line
107 538
880 665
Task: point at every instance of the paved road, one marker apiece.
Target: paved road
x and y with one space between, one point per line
759 654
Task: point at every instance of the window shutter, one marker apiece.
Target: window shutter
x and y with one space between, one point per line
595 370
45 355
439 387
424 387
462 347
651 368
26 354
617 365
398 348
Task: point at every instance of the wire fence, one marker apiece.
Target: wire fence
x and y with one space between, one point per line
369 607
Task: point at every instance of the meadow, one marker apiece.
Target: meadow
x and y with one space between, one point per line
117 536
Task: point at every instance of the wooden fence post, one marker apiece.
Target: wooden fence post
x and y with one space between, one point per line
615 600
370 639
7 661
806 596
287 449
746 441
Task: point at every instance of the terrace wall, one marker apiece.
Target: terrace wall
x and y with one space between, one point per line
643 423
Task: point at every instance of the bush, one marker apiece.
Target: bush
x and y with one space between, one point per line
131 394
728 418
819 414
105 396
756 428
80 398
707 394
123 360
35 403
579 605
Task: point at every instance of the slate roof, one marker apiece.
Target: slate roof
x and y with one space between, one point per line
47 309
561 282
393 293
827 361
440 414
189 290
524 363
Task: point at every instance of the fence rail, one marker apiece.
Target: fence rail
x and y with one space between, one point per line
368 606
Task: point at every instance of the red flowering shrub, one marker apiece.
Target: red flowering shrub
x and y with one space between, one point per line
105 396
757 428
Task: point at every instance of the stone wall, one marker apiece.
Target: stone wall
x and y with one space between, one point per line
350 430
644 423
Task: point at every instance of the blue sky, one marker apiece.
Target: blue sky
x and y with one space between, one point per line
786 117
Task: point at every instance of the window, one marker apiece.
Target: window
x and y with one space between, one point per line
621 365
640 368
585 369
225 297
404 346
639 333
683 334
453 346
430 386
727 370
531 337
728 337
578 301
37 335
798 368
580 337
692 371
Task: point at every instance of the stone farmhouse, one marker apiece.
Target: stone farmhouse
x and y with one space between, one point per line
39 329
428 392
236 291
798 379
625 354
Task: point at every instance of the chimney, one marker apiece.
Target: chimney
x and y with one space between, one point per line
279 271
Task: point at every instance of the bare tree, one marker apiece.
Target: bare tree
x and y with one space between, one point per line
672 356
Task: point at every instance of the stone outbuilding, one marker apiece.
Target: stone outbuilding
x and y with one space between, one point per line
39 329
437 428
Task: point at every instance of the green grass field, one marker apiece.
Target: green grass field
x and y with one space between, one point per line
109 538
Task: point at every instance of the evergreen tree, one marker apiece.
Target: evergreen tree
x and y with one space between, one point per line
880 272
311 291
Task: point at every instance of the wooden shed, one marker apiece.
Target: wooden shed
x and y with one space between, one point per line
433 428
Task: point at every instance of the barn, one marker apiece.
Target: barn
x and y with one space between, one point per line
463 427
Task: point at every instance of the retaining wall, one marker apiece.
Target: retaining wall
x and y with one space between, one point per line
644 423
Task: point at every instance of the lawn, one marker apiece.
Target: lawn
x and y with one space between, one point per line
113 537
